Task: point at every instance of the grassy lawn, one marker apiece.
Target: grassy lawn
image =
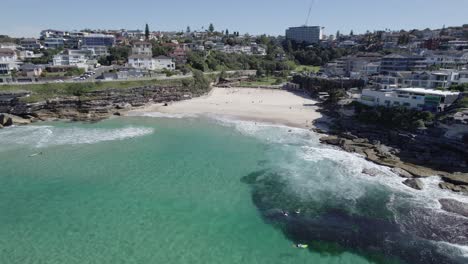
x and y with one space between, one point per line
307 68
51 90
266 81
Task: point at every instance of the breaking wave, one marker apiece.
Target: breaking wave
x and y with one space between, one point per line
343 205
45 136
162 115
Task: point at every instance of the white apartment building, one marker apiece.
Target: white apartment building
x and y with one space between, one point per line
27 54
164 62
446 59
430 79
149 63
8 61
142 48
415 98
72 58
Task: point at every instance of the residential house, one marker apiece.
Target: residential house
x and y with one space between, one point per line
142 48
52 33
179 54
133 34
430 80
446 59
164 62
456 45
258 49
8 61
76 58
32 70
441 79
30 44
142 58
398 62
463 77
54 43
8 45
99 43
27 54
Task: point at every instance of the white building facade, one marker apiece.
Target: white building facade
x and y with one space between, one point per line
414 98
8 61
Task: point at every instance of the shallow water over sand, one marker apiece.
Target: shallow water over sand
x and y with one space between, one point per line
197 190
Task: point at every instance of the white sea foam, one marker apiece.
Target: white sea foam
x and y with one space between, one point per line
162 115
329 165
459 249
45 136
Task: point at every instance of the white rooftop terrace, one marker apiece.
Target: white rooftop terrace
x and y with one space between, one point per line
427 91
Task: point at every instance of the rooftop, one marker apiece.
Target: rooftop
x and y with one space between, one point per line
163 58
427 91
6 52
139 56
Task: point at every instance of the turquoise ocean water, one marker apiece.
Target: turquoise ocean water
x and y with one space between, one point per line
198 190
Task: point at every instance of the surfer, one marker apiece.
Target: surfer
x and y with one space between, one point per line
35 154
302 246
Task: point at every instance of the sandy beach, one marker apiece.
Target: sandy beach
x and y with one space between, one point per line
265 105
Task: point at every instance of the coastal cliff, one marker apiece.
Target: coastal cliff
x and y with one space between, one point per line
93 105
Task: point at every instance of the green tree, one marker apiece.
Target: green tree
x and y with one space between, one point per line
289 47
188 30
200 82
147 32
227 32
351 33
338 35
211 28
160 50
118 55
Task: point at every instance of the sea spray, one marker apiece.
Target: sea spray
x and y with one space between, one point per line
44 136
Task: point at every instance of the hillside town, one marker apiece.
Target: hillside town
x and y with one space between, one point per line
418 69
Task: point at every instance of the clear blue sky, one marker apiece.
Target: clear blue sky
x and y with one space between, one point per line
28 17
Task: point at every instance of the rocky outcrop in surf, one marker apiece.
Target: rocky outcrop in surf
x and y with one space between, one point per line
394 153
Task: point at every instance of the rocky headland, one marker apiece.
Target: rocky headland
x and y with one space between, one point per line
91 106
411 155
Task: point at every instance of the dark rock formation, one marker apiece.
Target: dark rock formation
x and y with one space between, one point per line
411 155
94 105
454 206
402 173
453 187
416 184
9 120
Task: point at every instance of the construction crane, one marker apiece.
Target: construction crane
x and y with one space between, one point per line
310 11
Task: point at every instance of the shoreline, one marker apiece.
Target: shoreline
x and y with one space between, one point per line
295 110
250 104
272 106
